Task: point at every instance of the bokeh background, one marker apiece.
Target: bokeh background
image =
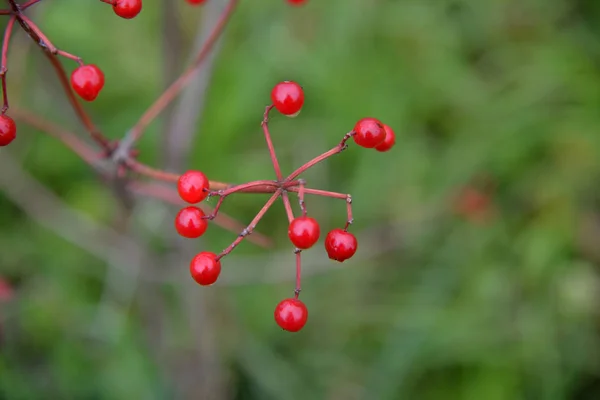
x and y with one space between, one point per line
490 296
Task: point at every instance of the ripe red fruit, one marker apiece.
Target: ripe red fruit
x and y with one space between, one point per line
193 186
288 98
189 222
127 8
291 315
340 245
389 141
8 130
87 81
296 2
304 232
196 2
205 268
369 132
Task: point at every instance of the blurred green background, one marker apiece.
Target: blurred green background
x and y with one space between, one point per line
433 306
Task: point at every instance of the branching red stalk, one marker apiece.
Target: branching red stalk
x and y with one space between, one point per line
265 128
250 228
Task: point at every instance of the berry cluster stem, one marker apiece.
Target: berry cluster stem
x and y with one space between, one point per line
3 68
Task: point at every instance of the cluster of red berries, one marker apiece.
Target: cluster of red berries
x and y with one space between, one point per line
304 232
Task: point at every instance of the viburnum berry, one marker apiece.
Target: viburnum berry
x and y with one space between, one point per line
304 232
291 315
8 130
193 186
196 2
190 223
340 245
205 268
288 98
127 8
87 81
389 141
369 132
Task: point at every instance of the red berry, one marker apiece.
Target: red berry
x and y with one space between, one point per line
8 130
340 245
291 315
304 232
193 186
127 8
196 2
189 222
369 132
288 98
205 268
87 81
389 141
296 2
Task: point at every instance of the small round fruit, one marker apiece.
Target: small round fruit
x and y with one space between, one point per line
304 232
296 2
127 8
369 132
389 141
205 268
288 98
291 315
87 81
193 186
340 245
8 130
190 223
196 2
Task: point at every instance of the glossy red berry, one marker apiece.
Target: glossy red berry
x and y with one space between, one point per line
189 222
389 141
127 8
291 315
196 2
8 130
288 98
193 186
205 268
296 2
304 232
87 81
340 245
369 132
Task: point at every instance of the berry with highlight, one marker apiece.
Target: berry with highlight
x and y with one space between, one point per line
288 98
193 186
369 132
205 268
304 232
291 315
8 130
87 81
190 222
340 245
127 8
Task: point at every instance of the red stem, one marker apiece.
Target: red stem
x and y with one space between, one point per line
43 40
336 150
172 91
270 146
70 56
28 4
3 67
250 228
324 193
